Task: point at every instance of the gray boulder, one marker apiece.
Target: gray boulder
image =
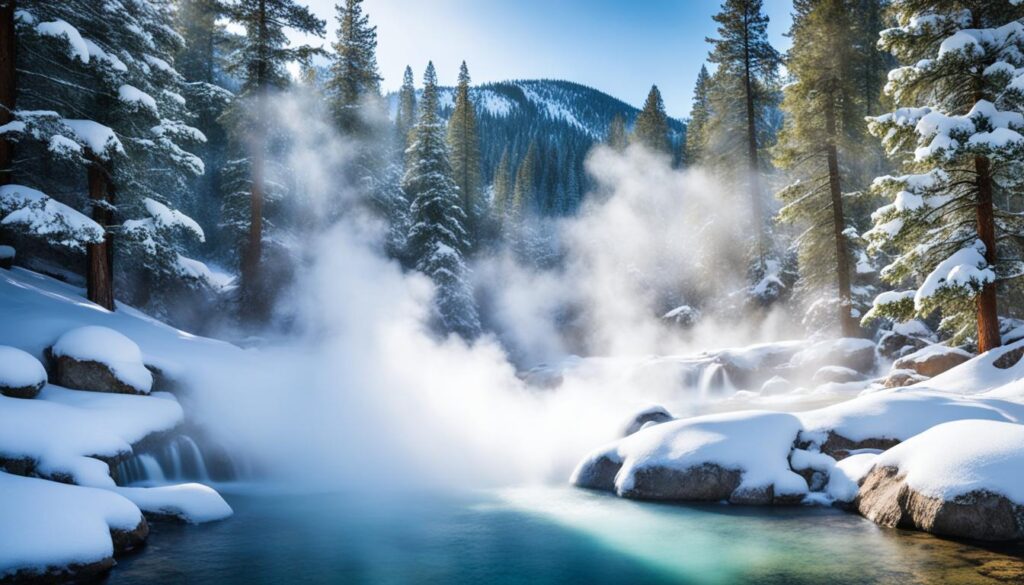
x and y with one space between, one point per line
649 416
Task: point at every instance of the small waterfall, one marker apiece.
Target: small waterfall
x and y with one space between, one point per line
175 456
151 469
714 379
197 457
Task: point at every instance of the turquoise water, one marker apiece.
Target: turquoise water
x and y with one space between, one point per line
546 535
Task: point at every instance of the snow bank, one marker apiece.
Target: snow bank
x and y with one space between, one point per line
844 478
47 525
960 457
191 502
62 429
980 375
899 415
18 369
110 348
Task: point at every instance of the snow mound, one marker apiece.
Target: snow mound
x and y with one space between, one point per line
755 444
190 502
898 415
108 347
47 526
960 457
844 478
62 431
18 369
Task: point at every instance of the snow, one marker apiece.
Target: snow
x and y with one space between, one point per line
755 442
109 58
845 476
172 218
6 252
132 95
900 414
110 348
100 139
192 502
18 369
936 349
965 269
77 47
47 524
40 215
979 376
961 457
912 328
61 429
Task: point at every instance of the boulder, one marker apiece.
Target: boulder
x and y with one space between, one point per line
902 378
7 257
886 499
775 386
836 375
933 360
649 416
21 374
839 447
741 457
853 353
894 345
101 360
962 479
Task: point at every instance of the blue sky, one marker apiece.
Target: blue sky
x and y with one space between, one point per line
620 47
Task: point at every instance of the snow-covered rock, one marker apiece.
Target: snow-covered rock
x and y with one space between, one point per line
53 532
849 352
75 436
191 502
845 476
901 378
836 375
21 375
933 360
775 386
884 419
894 345
742 457
654 415
100 359
963 479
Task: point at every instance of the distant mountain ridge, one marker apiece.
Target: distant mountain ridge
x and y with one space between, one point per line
562 119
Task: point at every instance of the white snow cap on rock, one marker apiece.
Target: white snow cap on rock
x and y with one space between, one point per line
19 369
191 502
110 348
960 457
44 524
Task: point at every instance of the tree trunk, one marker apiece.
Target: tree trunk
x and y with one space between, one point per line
756 211
100 271
988 315
846 322
8 86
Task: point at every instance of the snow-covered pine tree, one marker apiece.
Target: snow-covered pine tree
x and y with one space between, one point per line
354 78
820 146
258 59
651 127
747 68
503 183
464 145
438 238
524 190
960 136
696 129
405 117
100 98
618 137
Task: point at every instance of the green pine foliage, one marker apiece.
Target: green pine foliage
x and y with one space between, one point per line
651 127
438 238
618 136
405 117
464 144
354 79
700 114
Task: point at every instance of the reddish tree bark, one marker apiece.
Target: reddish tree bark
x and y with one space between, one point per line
100 257
987 305
846 322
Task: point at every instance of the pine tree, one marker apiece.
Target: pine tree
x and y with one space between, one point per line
502 186
696 130
821 143
405 118
438 238
746 58
8 87
354 76
464 145
524 191
953 242
617 138
651 128
259 59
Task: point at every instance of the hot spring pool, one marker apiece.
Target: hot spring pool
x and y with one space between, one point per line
546 535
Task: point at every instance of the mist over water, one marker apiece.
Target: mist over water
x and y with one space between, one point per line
361 393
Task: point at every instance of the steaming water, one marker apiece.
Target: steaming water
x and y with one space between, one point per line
545 535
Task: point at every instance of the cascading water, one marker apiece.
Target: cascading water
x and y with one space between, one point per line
178 460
